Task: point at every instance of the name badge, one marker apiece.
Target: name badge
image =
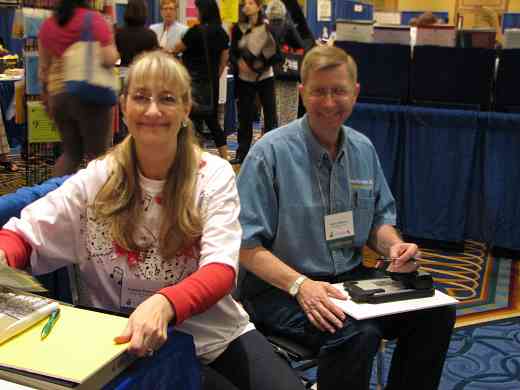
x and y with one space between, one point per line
135 291
339 229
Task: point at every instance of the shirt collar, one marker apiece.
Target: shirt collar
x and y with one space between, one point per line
317 151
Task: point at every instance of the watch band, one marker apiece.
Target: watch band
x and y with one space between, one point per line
295 287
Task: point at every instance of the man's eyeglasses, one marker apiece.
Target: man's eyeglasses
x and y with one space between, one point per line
163 101
335 93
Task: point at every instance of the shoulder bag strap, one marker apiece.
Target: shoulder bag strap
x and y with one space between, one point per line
86 29
86 36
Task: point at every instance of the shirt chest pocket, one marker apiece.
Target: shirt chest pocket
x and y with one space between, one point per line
363 218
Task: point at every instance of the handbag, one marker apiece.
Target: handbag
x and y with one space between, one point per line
262 50
202 87
84 74
289 68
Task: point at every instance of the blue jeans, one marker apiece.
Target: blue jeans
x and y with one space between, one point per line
345 357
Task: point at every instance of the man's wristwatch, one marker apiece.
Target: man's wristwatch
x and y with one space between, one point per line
295 287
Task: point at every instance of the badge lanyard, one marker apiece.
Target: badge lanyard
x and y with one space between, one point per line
339 225
322 196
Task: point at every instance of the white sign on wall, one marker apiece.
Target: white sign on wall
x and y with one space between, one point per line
324 10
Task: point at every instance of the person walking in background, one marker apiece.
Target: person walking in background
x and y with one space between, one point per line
85 128
163 215
253 52
132 40
209 32
286 83
169 32
135 37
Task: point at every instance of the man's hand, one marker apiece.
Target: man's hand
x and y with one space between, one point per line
313 297
405 254
3 257
147 327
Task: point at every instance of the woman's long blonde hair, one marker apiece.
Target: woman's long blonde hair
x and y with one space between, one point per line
119 200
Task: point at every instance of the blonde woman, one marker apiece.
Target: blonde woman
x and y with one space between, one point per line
158 214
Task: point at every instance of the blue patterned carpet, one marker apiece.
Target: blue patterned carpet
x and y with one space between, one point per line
484 357
479 358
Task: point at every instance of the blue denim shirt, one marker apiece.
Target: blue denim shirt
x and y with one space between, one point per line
283 205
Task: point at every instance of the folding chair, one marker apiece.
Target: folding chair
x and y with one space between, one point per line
302 358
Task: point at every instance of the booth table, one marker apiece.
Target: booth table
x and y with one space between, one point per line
173 366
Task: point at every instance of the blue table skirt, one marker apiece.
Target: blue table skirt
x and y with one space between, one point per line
455 174
174 366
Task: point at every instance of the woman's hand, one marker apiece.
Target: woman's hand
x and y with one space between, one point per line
3 257
146 330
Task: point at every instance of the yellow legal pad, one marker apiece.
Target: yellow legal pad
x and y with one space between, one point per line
79 344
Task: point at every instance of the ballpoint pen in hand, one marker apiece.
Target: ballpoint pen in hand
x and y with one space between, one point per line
386 259
50 323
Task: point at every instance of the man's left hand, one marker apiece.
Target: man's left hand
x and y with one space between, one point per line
404 254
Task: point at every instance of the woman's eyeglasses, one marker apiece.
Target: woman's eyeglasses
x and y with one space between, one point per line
163 101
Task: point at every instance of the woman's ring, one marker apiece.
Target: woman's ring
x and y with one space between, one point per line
149 352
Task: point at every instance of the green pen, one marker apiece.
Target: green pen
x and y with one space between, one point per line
50 323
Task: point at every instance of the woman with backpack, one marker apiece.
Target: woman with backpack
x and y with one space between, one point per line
287 72
253 53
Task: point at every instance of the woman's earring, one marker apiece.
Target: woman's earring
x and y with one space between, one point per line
184 124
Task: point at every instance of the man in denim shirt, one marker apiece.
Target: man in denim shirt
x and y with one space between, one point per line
312 195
